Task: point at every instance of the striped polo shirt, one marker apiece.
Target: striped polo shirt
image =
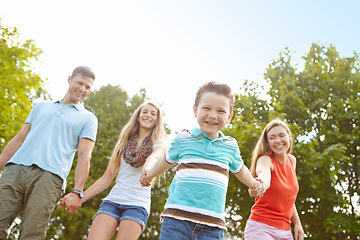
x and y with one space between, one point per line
198 190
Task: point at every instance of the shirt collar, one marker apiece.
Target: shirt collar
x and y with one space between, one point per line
79 106
197 132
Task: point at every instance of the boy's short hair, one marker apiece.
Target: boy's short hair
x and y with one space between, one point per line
216 87
83 71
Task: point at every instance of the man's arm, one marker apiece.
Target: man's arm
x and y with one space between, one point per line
85 148
14 144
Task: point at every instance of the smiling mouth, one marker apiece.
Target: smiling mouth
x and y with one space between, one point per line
210 123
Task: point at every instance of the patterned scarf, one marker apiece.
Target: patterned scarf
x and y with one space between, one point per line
138 158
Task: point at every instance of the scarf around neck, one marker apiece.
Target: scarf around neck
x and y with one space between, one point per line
137 158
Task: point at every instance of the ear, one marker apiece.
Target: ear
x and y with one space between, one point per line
69 79
229 117
195 110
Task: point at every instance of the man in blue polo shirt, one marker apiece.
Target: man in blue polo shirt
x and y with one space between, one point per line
39 158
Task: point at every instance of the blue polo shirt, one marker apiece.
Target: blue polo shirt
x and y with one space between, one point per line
198 190
54 136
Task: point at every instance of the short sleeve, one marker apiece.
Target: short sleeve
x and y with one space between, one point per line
32 114
90 128
172 155
237 162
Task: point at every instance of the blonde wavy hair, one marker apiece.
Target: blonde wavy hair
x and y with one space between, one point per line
132 128
262 146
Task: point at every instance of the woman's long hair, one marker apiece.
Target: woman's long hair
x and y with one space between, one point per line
262 146
131 128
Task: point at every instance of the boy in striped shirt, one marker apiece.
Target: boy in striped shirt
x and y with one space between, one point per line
197 195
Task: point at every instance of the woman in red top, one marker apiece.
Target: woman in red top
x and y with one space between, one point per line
273 164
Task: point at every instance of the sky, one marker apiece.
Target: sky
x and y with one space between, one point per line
170 48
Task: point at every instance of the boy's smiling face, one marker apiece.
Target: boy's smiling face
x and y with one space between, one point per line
212 113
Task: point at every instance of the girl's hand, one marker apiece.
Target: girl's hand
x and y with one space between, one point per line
144 178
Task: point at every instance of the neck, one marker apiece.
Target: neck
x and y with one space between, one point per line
67 100
143 133
280 158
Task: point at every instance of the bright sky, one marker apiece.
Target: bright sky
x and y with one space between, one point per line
172 47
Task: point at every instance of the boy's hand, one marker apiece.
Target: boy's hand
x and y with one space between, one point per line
259 190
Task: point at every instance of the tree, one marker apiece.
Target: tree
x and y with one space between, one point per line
19 85
321 103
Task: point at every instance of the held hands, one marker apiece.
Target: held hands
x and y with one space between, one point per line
259 190
71 202
145 180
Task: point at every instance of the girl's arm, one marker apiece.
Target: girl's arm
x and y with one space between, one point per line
298 230
97 187
154 166
100 185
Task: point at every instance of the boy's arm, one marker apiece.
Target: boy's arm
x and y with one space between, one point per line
245 177
14 144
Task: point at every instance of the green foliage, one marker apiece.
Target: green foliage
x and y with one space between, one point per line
19 85
321 103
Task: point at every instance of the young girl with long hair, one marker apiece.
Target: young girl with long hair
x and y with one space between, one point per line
273 164
127 206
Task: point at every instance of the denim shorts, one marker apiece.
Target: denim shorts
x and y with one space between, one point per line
124 212
185 230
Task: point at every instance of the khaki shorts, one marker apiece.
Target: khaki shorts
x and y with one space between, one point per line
32 190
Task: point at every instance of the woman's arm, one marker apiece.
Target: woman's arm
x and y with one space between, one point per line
263 173
263 170
298 230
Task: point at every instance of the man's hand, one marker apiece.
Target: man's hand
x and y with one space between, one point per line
71 202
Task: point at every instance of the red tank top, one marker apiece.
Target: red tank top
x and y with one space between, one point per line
276 207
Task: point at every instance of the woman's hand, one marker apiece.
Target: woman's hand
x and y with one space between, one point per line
298 232
259 190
